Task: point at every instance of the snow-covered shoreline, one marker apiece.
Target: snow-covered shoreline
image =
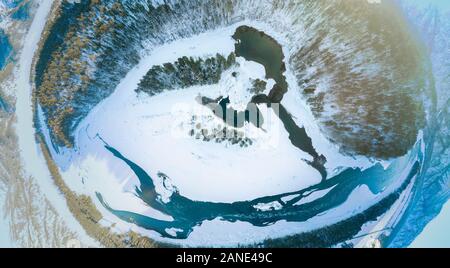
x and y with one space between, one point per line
33 162
115 125
90 168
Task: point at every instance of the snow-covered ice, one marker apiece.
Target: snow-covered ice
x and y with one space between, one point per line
153 133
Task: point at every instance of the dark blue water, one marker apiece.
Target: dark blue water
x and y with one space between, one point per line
12 3
259 47
22 12
4 105
188 213
6 50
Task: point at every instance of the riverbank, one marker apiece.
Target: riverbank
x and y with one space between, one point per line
81 207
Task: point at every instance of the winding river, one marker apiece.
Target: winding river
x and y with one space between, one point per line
295 206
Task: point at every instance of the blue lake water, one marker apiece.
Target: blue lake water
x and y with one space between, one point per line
188 213
6 50
12 3
4 105
22 13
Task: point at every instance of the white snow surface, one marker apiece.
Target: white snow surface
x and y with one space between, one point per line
313 196
33 162
5 230
153 133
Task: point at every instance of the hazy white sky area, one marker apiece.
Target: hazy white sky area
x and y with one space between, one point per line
436 234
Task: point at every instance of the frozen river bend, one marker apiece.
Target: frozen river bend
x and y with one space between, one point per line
225 123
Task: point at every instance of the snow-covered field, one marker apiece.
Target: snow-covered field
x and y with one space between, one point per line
153 132
5 240
436 232
33 162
